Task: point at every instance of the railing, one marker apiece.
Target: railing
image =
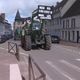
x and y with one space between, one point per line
31 70
13 49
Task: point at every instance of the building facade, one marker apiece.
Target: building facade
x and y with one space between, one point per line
5 26
57 17
71 23
66 20
54 25
18 24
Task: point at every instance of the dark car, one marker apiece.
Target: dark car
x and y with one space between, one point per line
8 35
2 38
55 39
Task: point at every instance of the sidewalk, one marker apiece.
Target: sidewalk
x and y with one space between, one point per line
66 43
7 59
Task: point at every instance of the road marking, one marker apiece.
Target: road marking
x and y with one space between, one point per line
71 50
23 63
24 54
77 59
20 52
70 65
65 74
79 52
15 72
48 77
4 48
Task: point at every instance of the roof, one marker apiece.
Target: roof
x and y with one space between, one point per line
74 10
19 18
60 4
17 15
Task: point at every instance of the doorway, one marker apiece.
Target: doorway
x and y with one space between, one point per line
77 36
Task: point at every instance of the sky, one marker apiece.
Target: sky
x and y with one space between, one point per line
10 7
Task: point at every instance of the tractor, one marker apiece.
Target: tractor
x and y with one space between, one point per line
35 34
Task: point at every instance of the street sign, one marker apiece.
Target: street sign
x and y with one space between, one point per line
43 12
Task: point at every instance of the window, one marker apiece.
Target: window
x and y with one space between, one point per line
73 23
67 23
60 20
69 35
73 34
57 20
63 23
62 34
65 35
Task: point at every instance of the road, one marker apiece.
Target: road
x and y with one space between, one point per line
59 63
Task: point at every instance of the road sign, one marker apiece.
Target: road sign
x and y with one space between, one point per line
43 12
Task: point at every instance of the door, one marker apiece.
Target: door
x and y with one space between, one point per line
77 36
69 35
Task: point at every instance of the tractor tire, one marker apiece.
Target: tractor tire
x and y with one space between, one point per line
47 42
28 43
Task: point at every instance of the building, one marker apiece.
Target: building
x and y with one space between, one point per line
54 25
19 24
66 20
57 17
5 26
71 22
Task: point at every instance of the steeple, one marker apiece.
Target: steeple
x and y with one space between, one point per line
17 17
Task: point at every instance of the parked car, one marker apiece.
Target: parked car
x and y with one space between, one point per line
8 35
2 38
55 39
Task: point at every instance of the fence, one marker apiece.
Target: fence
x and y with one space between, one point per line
32 75
14 49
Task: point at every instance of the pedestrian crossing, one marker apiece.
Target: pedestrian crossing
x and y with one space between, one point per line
66 68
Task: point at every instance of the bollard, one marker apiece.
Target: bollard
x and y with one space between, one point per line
29 67
17 53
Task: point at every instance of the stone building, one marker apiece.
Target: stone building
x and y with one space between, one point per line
54 25
5 26
71 22
19 24
57 17
66 20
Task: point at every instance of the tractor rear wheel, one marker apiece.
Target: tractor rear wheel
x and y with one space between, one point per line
28 43
47 42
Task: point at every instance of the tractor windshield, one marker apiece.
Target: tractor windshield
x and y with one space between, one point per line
36 26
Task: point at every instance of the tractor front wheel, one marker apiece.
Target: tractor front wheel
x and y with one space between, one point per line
47 42
28 43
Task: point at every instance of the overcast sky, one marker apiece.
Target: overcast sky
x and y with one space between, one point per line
25 7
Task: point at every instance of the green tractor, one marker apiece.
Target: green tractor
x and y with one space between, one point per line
35 35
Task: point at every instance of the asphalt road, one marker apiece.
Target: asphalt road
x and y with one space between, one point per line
59 63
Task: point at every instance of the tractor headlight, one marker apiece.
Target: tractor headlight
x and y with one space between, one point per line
37 28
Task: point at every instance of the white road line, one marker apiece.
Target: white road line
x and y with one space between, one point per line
24 54
20 52
79 52
77 59
15 72
71 50
4 48
70 65
48 77
65 74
